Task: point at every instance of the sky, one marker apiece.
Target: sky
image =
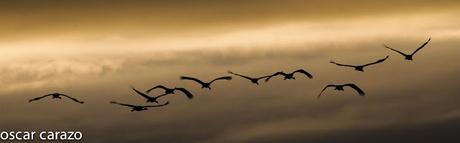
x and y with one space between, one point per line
96 50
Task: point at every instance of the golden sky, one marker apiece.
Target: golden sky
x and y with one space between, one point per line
96 49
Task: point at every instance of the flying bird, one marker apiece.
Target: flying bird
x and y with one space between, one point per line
172 91
138 107
340 88
56 96
361 67
149 98
290 75
253 80
205 84
409 56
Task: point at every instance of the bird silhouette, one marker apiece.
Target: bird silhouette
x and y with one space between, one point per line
56 96
340 88
172 91
289 75
205 84
361 67
149 98
138 107
409 56
253 80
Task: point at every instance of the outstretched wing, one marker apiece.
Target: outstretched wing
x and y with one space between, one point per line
355 87
303 72
158 105
222 78
122 104
140 93
327 86
262 77
186 92
191 78
38 98
341 64
162 95
158 86
275 74
74 99
243 76
423 45
394 50
376 62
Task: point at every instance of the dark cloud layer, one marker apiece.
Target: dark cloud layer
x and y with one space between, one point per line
443 131
30 18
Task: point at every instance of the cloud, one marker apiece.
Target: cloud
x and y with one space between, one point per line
32 19
39 73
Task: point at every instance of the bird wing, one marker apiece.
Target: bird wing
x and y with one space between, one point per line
376 62
158 86
122 104
38 98
341 64
275 74
74 99
355 87
394 50
191 78
327 86
304 72
141 94
158 105
186 92
423 45
262 77
222 78
243 76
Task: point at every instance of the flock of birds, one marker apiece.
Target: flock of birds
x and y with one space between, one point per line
254 80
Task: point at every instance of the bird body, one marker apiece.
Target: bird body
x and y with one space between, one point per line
409 57
139 108
56 96
360 67
340 87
